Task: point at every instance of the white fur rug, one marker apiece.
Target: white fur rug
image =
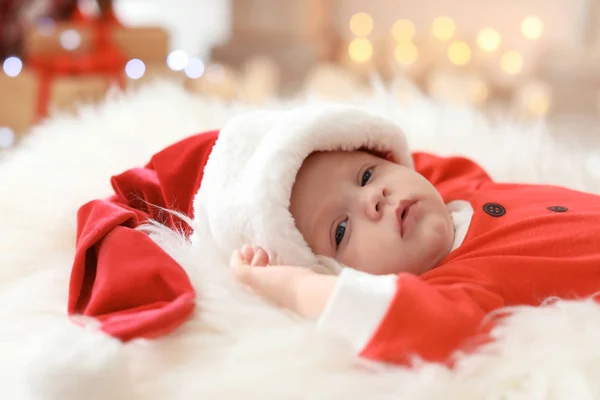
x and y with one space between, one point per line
237 347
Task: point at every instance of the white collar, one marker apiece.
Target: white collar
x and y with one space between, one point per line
461 213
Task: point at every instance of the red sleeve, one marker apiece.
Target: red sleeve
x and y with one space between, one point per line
433 316
452 176
119 275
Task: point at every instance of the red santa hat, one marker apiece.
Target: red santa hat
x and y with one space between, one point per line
248 179
133 287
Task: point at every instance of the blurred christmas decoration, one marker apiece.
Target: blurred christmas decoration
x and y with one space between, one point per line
260 80
16 16
329 81
534 98
534 61
72 59
217 81
477 53
7 137
295 34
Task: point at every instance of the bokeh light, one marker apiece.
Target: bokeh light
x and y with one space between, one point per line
406 53
459 53
532 27
361 24
511 62
70 39
443 28
12 66
489 39
7 137
360 50
135 68
195 68
177 60
403 30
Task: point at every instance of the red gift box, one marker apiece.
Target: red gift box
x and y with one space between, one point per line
57 78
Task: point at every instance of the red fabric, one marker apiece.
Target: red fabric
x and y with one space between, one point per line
120 276
522 257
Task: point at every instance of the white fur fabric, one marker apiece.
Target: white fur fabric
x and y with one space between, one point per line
236 346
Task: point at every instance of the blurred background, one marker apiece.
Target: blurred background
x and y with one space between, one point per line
521 59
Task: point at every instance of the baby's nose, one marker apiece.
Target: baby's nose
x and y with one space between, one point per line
374 203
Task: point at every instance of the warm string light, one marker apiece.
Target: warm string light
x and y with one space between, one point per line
511 62
489 40
403 31
532 27
443 28
360 50
406 53
361 24
459 53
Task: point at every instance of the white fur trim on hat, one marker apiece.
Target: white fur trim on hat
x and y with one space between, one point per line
245 193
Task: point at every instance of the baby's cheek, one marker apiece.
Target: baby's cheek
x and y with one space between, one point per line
442 233
436 244
381 260
360 260
373 249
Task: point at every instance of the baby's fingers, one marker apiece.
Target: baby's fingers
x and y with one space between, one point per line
260 259
236 259
247 254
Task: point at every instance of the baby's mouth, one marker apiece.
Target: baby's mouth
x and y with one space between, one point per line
403 213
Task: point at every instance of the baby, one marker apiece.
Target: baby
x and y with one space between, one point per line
368 213
417 249
475 245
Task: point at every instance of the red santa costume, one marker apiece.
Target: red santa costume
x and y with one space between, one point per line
514 244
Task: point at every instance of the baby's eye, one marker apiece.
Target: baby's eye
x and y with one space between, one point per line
366 176
339 232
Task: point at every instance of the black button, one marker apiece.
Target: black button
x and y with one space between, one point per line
494 209
558 208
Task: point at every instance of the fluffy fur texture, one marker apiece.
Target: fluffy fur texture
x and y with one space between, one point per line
236 346
247 184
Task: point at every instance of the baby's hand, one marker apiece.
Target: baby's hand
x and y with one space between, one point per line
247 255
296 288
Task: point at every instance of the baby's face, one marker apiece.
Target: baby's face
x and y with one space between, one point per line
370 214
